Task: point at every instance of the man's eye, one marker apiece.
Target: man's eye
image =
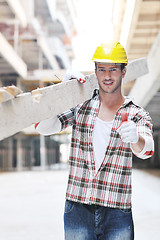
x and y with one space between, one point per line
102 70
113 69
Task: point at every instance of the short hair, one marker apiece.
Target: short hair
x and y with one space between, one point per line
122 65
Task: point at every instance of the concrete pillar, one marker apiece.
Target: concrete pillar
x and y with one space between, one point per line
10 55
16 36
57 147
19 154
40 59
31 154
1 85
42 152
29 9
10 153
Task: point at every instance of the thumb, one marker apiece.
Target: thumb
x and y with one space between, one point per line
124 116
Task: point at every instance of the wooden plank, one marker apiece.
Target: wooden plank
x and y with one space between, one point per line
148 24
40 104
148 7
149 17
143 40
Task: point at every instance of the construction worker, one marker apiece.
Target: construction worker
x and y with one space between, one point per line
106 130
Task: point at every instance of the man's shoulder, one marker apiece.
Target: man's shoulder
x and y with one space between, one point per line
92 100
130 101
90 104
139 111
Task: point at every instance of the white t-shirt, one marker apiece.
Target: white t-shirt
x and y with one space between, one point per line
101 134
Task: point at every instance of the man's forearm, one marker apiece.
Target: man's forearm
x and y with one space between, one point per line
138 147
144 148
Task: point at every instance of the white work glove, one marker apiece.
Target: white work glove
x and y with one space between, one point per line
74 75
128 132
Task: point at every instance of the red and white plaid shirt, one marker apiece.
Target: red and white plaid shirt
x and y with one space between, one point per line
111 185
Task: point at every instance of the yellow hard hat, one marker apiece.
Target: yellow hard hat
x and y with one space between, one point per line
110 53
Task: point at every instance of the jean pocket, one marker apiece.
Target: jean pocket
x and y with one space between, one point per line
126 210
68 206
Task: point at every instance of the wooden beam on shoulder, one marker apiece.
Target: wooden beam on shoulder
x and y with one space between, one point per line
40 104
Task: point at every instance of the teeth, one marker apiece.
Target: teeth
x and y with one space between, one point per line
108 83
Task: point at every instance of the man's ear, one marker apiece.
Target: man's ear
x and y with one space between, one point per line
124 72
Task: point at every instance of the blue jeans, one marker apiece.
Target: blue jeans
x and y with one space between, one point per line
93 222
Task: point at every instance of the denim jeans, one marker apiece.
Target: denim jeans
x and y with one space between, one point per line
93 222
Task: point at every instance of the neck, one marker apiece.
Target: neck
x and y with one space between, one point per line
111 100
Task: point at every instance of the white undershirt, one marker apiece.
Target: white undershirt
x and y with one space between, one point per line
101 134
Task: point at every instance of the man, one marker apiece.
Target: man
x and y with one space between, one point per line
107 129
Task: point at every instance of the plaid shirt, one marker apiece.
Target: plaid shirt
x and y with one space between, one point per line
111 185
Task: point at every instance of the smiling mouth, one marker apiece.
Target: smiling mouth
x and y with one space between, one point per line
108 83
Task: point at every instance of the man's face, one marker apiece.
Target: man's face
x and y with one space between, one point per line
109 77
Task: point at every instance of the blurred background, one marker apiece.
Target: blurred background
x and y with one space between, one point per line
39 41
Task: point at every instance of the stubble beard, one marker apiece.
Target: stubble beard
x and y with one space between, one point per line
113 90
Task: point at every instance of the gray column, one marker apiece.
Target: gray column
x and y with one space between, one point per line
19 154
42 152
10 153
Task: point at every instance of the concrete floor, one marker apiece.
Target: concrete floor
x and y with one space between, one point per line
31 205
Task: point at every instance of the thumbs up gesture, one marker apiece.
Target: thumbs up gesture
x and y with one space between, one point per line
128 130
124 116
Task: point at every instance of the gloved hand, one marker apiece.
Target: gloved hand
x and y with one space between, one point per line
128 132
74 75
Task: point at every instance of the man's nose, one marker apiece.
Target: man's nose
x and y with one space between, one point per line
107 74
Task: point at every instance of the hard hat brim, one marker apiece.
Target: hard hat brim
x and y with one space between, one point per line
109 61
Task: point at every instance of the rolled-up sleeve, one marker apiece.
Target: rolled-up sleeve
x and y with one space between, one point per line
66 118
144 125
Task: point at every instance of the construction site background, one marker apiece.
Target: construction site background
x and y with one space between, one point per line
39 41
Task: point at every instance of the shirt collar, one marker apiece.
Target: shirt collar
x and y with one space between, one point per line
126 102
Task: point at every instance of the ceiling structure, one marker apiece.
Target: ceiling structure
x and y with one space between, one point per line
137 26
37 38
